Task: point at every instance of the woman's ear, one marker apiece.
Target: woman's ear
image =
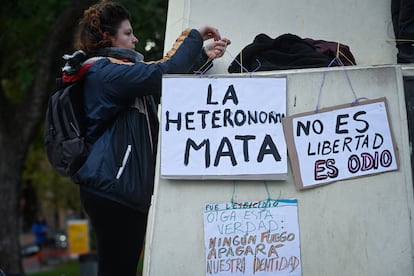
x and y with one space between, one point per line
108 36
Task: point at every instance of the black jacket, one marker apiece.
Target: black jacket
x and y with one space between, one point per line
287 51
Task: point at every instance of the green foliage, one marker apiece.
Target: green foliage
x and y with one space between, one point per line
148 21
26 23
24 26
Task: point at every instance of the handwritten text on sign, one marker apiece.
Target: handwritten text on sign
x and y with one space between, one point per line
252 238
344 143
223 126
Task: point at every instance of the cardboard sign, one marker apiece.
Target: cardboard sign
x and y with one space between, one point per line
340 142
252 238
218 128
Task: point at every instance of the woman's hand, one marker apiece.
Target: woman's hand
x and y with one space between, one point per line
217 48
208 32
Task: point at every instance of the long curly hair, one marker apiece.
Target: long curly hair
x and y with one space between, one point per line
106 16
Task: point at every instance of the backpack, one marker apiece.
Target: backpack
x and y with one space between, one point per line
64 130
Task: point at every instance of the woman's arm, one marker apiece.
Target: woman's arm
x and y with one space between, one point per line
130 80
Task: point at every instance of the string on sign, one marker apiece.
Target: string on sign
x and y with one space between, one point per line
339 61
208 64
269 198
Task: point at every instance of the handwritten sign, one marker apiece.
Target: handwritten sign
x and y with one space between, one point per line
222 128
252 238
341 142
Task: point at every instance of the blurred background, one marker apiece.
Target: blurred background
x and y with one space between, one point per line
34 35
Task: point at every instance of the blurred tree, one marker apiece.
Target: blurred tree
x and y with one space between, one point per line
34 35
148 20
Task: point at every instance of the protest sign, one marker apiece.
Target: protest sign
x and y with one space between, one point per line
340 142
218 128
252 238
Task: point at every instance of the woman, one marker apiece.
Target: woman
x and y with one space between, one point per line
115 195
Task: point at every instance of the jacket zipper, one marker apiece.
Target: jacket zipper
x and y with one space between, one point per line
124 161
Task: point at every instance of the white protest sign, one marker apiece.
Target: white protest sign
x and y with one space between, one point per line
341 142
252 238
220 128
